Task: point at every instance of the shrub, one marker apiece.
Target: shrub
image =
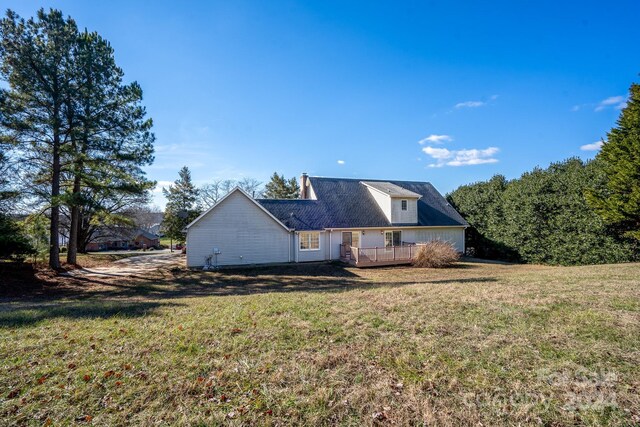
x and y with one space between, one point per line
436 254
13 243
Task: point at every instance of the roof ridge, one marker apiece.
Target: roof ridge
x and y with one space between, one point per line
372 180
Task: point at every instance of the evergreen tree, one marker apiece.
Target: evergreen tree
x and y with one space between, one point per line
82 133
617 199
280 188
13 242
36 62
112 138
541 217
181 206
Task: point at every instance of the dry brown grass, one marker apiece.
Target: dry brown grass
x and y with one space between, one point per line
325 345
436 254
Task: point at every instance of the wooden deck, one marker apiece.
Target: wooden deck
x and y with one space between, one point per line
372 257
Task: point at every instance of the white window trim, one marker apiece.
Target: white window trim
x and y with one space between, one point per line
404 202
385 238
310 249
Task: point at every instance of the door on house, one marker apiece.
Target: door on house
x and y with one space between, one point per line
392 238
350 238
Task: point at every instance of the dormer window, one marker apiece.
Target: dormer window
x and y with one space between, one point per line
398 204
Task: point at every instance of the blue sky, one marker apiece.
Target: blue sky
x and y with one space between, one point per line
439 91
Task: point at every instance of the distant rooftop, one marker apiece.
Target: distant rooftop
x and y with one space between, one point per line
392 190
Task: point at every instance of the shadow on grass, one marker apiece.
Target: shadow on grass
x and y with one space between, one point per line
30 314
320 277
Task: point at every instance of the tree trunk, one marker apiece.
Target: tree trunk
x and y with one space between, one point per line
72 248
54 228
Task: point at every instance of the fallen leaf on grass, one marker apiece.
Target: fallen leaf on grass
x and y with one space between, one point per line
71 366
236 330
86 377
118 383
379 416
109 373
13 393
42 379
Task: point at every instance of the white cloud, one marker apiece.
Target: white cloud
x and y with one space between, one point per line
436 139
475 104
341 162
592 147
617 102
463 157
470 104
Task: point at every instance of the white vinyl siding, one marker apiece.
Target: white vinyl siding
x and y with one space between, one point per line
407 216
455 236
242 231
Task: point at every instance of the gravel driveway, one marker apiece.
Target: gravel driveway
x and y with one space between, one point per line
136 265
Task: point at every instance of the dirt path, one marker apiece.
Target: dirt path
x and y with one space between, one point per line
137 265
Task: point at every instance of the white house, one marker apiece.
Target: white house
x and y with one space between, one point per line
365 222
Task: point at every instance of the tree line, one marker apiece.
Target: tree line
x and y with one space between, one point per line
73 135
571 213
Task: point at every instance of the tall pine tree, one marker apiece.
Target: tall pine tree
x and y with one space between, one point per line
112 137
82 134
280 188
181 206
36 62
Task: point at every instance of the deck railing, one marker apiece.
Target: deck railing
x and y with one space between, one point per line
378 255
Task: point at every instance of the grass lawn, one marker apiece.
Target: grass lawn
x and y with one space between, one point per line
323 344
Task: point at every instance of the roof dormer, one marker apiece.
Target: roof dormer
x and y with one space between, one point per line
399 205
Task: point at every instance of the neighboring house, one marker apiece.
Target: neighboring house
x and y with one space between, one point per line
365 222
121 239
144 240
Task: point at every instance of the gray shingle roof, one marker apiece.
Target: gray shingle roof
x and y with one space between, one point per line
347 203
390 189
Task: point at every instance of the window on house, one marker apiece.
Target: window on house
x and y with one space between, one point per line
309 240
403 203
392 238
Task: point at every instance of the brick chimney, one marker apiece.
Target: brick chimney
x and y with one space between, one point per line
304 183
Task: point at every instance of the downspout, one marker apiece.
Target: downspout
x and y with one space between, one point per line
289 257
296 247
330 246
